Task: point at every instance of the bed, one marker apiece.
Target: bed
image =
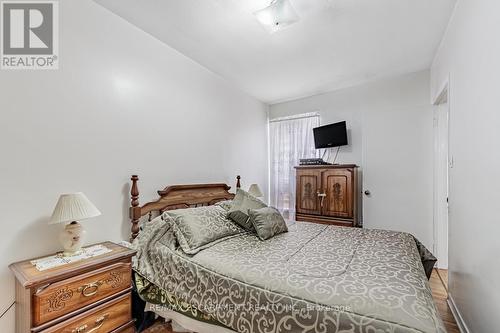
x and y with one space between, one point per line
313 278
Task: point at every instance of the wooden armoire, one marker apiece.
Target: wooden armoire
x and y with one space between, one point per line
327 194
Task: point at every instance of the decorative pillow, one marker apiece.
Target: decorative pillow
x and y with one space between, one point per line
242 202
241 219
226 204
267 222
201 227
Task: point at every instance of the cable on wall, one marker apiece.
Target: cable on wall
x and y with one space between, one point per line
329 151
6 310
336 154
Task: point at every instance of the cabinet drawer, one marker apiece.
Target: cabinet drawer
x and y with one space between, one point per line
74 293
102 319
127 328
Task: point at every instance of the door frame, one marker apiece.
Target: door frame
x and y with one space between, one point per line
440 222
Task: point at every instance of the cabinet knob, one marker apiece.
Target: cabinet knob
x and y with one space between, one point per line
368 193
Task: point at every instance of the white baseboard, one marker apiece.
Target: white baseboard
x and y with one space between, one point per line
458 317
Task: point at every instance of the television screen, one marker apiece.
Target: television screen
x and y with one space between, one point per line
332 135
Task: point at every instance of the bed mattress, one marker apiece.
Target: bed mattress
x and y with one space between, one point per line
314 278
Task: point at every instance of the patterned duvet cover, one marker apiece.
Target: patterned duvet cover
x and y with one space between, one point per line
315 278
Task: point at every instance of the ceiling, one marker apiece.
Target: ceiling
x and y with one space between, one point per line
336 43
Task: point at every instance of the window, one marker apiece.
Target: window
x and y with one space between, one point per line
291 139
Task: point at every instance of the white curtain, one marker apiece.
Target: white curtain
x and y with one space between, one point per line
291 139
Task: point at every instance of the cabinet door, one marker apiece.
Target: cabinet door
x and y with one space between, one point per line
338 185
308 186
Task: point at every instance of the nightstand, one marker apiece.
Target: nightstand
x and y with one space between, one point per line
88 296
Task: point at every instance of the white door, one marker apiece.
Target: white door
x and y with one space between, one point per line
441 163
398 171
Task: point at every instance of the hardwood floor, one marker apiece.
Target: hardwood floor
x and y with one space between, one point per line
438 283
159 327
439 286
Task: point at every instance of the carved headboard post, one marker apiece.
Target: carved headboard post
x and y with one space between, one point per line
135 210
238 183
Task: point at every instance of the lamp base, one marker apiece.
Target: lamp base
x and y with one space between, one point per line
72 239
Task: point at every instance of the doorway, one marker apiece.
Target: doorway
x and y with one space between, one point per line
441 177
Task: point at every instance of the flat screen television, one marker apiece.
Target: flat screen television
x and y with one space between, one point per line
333 135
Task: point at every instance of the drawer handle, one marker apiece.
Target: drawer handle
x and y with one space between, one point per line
98 322
90 289
322 196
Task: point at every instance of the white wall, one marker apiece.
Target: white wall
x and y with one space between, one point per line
470 56
394 118
121 103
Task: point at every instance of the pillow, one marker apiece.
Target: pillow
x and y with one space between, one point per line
226 204
201 227
242 202
241 219
267 222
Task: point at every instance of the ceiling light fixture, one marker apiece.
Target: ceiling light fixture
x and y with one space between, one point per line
278 15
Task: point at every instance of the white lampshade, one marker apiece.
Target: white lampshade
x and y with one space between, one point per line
279 14
255 191
73 207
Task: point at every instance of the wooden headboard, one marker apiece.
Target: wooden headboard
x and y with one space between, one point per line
175 197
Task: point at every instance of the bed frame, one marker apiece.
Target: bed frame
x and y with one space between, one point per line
176 197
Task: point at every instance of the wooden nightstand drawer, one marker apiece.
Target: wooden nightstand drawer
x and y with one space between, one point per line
106 317
127 328
68 295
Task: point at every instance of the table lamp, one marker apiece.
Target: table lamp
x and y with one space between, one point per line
255 191
71 208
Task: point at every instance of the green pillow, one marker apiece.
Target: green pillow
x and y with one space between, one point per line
201 227
226 204
267 221
242 202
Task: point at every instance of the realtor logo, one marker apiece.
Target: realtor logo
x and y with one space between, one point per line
29 35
